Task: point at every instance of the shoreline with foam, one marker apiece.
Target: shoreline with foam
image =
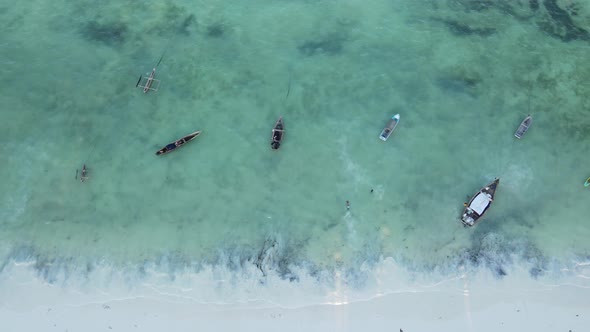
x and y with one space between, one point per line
214 299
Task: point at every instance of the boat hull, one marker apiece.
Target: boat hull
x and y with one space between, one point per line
587 183
277 134
389 127
178 143
479 204
524 127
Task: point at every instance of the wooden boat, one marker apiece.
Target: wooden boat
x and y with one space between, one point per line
524 126
84 175
148 83
178 143
479 204
278 133
389 127
587 183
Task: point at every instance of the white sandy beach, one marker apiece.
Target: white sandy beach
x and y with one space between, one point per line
469 303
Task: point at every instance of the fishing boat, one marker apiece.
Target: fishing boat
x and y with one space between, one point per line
389 127
524 126
278 133
587 183
178 143
479 204
84 175
150 83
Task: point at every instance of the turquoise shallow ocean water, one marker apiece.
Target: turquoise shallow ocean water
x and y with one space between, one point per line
462 75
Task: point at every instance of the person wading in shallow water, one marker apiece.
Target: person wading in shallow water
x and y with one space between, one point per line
347 205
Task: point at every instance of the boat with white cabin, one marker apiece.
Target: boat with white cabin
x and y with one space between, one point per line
479 204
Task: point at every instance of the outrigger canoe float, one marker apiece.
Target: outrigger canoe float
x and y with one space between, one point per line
524 127
389 127
178 143
479 204
278 132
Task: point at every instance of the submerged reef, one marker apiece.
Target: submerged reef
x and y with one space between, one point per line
112 33
460 29
459 80
186 24
478 5
274 257
281 259
561 24
215 30
565 20
496 252
330 45
518 9
177 19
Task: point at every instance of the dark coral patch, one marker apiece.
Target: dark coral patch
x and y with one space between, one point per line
186 24
216 30
331 45
479 5
561 25
460 29
111 34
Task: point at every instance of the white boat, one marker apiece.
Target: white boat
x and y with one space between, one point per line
524 126
479 204
389 127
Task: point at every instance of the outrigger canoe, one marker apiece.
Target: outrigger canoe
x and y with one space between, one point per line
389 127
278 133
587 183
147 83
479 204
178 143
524 127
150 83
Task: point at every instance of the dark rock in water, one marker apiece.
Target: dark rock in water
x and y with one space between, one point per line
215 30
534 4
562 26
330 45
111 34
459 29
